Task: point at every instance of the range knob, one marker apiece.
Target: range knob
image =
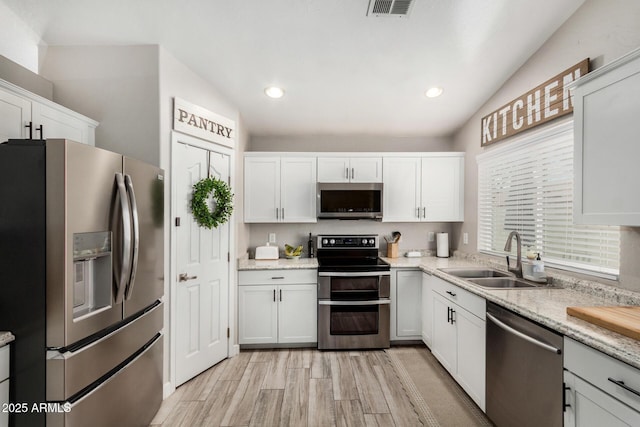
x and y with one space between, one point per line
364 241
325 241
332 241
371 241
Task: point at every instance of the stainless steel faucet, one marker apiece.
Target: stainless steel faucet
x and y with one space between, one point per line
507 247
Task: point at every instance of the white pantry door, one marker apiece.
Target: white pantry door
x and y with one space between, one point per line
202 269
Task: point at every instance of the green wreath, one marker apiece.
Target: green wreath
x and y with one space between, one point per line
223 198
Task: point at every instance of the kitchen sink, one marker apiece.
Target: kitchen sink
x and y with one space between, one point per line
466 273
502 283
492 279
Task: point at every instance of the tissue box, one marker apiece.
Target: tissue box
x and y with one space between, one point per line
267 252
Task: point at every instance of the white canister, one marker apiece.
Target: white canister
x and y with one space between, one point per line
442 245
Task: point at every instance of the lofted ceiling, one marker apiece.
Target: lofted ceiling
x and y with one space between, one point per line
343 72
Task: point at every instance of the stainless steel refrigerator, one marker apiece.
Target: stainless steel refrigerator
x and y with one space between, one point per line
81 281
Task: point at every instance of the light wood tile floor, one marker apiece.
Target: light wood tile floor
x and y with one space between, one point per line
293 387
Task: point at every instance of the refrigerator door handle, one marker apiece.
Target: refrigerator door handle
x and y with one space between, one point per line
125 269
136 235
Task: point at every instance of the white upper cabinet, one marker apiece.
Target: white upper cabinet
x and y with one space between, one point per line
349 169
15 112
280 189
606 129
401 192
427 188
261 189
442 189
56 123
20 108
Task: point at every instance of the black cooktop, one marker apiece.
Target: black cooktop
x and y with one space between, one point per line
346 264
346 253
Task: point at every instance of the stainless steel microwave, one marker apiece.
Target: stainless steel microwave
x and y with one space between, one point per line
349 201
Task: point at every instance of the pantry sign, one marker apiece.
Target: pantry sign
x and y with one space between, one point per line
202 123
546 102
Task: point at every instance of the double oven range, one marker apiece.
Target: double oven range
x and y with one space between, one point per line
353 293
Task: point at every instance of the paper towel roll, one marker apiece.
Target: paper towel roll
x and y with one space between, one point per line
442 244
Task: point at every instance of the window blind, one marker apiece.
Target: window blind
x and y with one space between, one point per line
527 186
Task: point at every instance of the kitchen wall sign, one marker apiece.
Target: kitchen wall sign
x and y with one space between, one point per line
202 123
546 102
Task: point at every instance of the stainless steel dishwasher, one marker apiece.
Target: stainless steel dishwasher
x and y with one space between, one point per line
524 371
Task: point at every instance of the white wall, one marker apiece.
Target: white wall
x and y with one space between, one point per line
414 235
601 30
353 143
17 41
116 85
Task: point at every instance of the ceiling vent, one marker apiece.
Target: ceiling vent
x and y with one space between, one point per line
396 8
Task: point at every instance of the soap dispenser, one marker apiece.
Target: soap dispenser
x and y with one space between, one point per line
538 267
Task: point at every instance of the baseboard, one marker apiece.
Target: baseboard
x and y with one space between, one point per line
167 390
234 350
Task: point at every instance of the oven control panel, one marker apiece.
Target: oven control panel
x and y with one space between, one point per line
369 241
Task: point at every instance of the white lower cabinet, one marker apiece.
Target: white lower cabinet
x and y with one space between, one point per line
599 390
4 385
427 309
458 336
277 306
406 307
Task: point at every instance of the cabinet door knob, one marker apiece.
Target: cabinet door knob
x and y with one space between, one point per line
30 127
41 129
565 405
621 383
453 294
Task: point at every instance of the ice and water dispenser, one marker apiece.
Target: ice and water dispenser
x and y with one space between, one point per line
92 273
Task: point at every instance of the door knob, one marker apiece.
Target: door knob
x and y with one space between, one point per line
183 277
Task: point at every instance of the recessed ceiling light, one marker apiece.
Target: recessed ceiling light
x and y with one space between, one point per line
433 92
274 92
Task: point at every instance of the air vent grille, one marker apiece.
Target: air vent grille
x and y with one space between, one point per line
397 8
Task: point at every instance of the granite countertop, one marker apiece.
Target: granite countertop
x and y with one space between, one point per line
277 264
547 306
6 338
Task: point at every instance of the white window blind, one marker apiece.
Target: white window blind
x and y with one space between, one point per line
527 186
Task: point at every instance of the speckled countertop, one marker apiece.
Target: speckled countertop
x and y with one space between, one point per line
6 338
277 264
547 306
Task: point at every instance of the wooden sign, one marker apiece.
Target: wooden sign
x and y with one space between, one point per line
546 102
201 123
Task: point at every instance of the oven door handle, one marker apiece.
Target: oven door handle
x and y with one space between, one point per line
353 273
373 302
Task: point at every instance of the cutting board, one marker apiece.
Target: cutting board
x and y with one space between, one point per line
621 319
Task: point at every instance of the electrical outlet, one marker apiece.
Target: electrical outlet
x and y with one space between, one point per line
431 236
272 237
465 238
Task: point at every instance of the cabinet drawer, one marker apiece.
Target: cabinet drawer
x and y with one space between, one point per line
596 368
4 363
277 277
465 299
